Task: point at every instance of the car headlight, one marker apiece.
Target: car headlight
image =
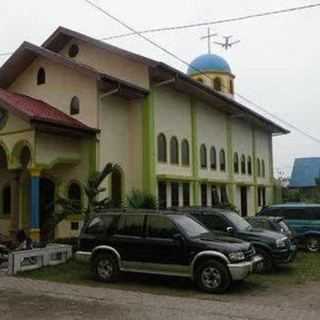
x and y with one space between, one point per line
236 256
281 243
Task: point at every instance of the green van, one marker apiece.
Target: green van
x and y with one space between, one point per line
303 218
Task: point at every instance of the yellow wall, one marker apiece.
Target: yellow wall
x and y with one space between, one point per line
121 139
242 144
173 119
212 131
61 85
112 64
208 77
14 124
263 152
64 149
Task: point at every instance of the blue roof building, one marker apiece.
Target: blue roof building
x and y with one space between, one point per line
209 63
213 71
305 172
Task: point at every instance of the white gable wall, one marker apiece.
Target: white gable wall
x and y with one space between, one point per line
106 62
61 85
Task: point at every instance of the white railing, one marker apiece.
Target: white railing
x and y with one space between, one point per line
27 260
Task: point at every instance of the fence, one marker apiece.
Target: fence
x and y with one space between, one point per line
27 260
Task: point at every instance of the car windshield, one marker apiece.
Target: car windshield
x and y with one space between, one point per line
190 226
238 221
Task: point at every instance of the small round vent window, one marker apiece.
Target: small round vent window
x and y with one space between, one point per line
73 51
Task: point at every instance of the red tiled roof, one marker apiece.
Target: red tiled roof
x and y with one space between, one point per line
37 110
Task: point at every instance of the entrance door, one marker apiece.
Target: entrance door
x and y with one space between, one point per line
244 201
47 191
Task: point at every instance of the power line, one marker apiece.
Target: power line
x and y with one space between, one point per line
215 22
3 54
203 24
315 139
199 71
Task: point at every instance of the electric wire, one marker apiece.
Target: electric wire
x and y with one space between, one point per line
215 22
105 12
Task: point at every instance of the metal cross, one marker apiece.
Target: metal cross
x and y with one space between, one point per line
208 37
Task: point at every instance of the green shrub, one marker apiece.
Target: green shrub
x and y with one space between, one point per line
141 200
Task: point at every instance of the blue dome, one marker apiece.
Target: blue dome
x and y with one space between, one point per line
209 62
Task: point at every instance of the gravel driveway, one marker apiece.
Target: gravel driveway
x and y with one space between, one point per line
31 299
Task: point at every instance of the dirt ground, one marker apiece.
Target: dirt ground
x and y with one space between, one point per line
18 306
24 299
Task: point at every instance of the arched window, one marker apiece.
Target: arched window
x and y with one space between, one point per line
243 164
231 87
236 162
203 157
162 148
74 194
213 158
249 166
185 153
222 160
41 77
258 168
6 200
263 169
174 151
75 106
73 51
217 84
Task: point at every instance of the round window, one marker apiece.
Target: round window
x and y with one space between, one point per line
73 51
3 118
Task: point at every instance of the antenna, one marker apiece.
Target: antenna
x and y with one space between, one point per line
208 37
227 44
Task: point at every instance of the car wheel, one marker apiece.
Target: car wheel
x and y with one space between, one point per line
106 267
213 277
313 244
266 265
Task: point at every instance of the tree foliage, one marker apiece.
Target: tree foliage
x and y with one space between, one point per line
140 200
64 207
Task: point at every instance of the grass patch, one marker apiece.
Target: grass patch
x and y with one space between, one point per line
305 269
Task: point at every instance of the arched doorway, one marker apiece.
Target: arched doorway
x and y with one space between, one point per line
25 157
47 198
21 156
116 187
3 158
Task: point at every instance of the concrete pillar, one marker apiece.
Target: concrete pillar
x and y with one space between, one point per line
35 205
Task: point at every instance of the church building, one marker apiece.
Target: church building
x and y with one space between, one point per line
74 104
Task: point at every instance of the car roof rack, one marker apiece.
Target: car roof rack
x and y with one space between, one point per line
136 211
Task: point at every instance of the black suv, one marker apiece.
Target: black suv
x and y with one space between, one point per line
164 243
274 247
277 224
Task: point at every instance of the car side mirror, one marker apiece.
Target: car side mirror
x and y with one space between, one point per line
178 237
230 230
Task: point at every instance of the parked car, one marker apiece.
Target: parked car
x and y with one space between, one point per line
274 247
164 244
277 224
303 218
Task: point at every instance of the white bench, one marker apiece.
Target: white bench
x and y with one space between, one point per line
27 260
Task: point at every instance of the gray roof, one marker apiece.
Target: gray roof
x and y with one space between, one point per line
305 172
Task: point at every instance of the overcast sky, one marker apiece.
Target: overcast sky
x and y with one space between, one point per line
276 63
